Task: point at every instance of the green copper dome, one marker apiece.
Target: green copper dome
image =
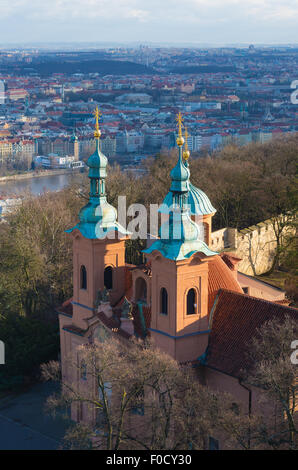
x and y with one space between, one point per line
196 199
179 226
179 238
98 211
97 219
199 202
97 163
180 176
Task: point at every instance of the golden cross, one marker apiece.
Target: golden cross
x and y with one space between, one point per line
97 115
179 120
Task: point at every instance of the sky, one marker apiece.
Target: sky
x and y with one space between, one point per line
215 22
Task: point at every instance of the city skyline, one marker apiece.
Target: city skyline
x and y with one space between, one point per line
216 22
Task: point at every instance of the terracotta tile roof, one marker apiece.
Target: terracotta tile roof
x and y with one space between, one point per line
234 322
220 277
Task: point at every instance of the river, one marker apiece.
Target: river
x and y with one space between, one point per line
36 186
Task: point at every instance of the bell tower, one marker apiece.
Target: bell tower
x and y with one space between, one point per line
98 243
179 263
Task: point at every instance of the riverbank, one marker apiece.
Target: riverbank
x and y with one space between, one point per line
37 183
34 174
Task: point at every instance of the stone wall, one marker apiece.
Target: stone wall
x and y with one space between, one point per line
223 239
255 245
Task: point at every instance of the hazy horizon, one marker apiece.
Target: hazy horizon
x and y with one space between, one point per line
108 44
172 22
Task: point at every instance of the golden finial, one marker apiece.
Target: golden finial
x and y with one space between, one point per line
97 115
186 153
180 140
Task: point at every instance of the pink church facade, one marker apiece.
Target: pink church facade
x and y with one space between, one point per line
189 299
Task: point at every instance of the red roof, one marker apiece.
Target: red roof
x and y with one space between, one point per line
220 277
234 322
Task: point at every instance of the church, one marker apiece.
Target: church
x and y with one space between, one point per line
190 300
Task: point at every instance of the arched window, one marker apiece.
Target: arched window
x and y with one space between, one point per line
191 302
108 278
163 301
83 277
141 290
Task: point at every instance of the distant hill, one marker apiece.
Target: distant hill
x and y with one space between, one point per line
202 69
103 67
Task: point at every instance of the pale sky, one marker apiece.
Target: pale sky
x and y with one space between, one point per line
169 21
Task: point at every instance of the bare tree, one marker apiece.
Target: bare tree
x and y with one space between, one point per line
274 371
138 398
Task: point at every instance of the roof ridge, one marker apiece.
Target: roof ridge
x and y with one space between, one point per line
256 298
